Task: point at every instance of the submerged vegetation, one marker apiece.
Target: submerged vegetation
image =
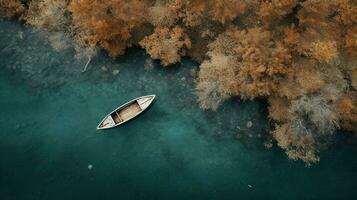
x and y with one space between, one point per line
301 55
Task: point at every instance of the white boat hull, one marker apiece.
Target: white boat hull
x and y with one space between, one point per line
126 112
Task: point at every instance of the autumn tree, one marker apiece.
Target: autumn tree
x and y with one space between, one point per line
258 62
163 13
312 120
272 11
50 15
194 12
166 44
52 18
11 8
107 23
347 111
216 81
299 54
278 108
350 42
298 142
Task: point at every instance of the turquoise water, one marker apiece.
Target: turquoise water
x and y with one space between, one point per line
49 112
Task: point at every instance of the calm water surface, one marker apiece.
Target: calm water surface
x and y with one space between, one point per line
49 111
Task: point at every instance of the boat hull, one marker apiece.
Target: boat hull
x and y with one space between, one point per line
126 112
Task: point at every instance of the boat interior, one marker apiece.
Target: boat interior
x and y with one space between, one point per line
128 112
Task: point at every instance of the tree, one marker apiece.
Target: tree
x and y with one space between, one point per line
216 80
311 120
11 8
166 44
272 11
106 22
52 18
195 12
259 64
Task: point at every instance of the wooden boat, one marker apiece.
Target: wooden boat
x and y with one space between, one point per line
126 112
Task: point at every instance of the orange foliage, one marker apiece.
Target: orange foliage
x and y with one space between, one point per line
225 10
346 11
168 45
221 11
309 80
290 89
271 11
11 8
263 62
107 22
318 28
351 41
291 36
347 109
297 145
278 108
163 13
244 63
295 53
354 78
324 51
315 12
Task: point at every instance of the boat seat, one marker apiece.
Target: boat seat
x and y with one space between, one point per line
117 118
130 111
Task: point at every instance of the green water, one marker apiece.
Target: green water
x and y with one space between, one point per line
49 112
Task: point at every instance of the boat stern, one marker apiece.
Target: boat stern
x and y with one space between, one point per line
145 101
107 122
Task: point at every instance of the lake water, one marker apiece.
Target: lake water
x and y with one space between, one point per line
50 148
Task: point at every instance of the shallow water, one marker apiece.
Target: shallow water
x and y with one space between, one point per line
50 149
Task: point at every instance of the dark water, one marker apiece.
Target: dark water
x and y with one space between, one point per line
49 111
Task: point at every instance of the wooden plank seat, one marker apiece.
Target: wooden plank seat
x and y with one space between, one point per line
129 111
116 117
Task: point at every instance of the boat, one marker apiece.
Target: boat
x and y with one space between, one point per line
126 112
